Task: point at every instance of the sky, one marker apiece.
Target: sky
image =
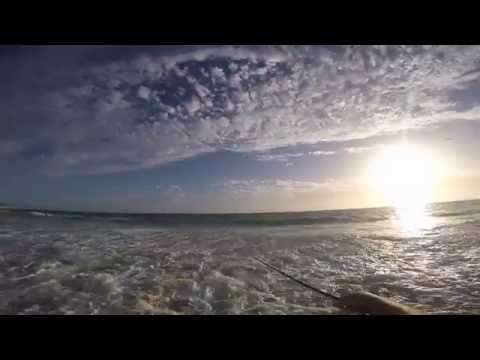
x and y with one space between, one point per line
229 128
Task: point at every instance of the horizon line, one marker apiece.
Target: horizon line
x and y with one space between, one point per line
12 207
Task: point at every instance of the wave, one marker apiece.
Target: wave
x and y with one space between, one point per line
458 213
306 221
265 219
255 219
248 219
40 213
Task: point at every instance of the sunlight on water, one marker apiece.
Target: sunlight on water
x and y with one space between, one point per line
413 220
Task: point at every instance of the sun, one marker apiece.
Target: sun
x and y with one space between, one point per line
406 176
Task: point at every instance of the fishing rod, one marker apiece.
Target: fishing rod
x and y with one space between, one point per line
363 302
272 267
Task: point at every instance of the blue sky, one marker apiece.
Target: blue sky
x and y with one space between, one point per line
228 128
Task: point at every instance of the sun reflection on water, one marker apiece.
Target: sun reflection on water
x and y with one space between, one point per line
414 221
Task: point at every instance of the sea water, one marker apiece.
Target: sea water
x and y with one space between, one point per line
54 262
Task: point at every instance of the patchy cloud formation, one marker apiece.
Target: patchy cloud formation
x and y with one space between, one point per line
255 185
151 108
274 194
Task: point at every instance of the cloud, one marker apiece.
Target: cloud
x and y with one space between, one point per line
172 194
279 157
193 105
171 191
288 157
218 74
358 149
255 185
144 92
150 109
321 153
288 195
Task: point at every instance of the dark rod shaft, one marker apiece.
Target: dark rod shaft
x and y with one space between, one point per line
297 280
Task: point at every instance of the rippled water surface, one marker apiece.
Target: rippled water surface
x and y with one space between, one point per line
64 263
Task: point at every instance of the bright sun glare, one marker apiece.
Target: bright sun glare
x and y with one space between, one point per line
406 177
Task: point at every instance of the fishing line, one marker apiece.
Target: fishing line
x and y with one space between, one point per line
272 267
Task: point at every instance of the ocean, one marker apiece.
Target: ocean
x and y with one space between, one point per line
54 262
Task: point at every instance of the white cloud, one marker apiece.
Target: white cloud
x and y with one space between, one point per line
256 185
193 105
276 96
144 92
279 157
321 153
358 149
218 74
287 158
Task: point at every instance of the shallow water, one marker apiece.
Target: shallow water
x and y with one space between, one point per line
63 263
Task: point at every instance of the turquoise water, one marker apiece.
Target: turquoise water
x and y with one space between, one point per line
79 263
